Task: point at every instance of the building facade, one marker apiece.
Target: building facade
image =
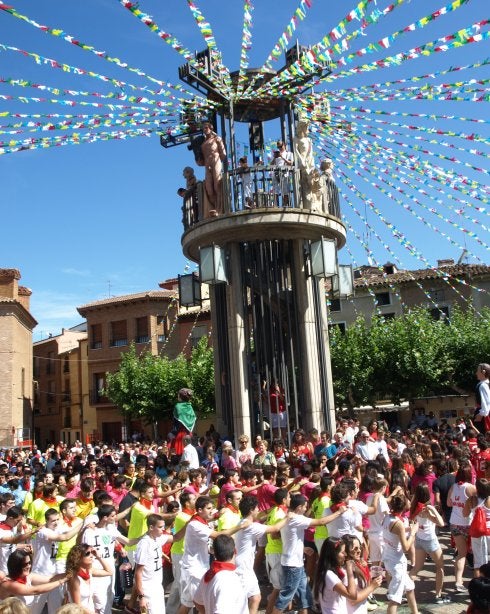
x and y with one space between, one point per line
388 292
147 319
16 390
60 387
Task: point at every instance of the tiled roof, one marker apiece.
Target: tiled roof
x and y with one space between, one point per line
10 273
128 298
370 276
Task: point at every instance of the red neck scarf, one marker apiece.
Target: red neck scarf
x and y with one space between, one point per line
146 504
85 499
84 574
232 508
50 500
68 522
188 511
418 508
199 519
284 508
340 572
4 525
217 566
21 580
336 506
364 567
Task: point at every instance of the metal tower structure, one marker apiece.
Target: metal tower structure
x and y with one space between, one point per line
268 306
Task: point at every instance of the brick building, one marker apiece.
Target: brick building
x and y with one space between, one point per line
147 319
61 390
16 325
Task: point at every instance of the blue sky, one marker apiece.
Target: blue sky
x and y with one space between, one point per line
83 222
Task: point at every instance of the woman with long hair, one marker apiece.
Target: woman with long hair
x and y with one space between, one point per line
329 589
480 545
22 583
458 494
79 567
396 544
424 474
426 542
366 585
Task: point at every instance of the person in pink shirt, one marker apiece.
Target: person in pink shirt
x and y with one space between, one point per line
231 483
73 486
117 490
266 490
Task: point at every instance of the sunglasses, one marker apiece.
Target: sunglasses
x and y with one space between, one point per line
90 553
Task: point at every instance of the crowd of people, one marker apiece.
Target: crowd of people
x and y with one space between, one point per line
323 520
327 518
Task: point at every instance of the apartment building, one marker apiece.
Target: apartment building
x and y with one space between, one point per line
388 291
60 388
16 391
147 319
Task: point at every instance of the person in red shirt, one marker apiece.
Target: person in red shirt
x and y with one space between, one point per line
480 459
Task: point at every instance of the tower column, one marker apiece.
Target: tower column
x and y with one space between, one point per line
231 380
318 410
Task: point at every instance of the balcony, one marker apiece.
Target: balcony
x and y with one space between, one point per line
142 338
265 187
66 398
117 343
271 204
97 398
67 422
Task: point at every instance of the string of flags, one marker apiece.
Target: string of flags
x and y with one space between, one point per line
426 160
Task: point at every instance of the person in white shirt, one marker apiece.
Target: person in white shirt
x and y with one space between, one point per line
103 537
45 547
189 453
295 581
366 449
375 531
282 160
220 590
350 523
12 533
195 560
148 570
246 541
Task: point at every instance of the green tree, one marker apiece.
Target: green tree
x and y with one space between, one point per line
409 356
146 386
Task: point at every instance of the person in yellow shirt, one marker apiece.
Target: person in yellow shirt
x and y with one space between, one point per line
273 549
230 514
37 509
69 521
85 501
319 505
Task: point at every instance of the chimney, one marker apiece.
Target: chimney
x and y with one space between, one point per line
389 268
9 281
24 297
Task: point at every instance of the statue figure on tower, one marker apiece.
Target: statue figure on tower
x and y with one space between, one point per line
214 153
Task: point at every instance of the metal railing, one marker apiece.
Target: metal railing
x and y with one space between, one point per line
262 187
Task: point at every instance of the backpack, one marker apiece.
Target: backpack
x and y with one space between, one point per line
478 526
